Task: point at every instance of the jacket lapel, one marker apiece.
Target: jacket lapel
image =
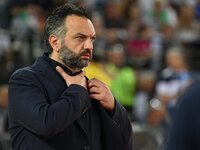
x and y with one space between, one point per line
50 74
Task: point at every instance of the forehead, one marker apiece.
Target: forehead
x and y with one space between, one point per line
77 24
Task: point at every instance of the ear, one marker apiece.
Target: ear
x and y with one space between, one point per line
55 42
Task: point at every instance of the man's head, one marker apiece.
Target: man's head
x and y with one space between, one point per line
176 59
69 36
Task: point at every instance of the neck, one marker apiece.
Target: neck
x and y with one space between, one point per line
60 61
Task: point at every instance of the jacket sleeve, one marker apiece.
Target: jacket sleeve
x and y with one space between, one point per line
120 117
29 106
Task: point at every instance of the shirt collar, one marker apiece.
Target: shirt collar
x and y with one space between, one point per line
54 64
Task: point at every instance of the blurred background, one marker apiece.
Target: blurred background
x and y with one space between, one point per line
146 51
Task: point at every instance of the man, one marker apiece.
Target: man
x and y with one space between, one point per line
185 130
53 106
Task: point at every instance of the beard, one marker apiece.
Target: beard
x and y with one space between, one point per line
73 60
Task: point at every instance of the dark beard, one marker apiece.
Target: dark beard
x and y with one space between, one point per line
72 60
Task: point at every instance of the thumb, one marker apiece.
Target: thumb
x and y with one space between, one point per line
83 73
61 72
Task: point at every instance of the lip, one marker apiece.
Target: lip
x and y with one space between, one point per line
85 56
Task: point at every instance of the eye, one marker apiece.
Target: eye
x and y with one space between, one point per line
80 37
93 39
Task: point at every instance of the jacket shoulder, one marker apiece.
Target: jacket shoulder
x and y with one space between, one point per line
22 72
31 70
26 75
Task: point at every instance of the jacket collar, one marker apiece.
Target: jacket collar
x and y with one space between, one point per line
49 73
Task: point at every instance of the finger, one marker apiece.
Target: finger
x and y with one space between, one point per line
95 96
82 74
61 72
59 69
93 83
94 80
94 90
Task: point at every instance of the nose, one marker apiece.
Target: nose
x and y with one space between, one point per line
88 44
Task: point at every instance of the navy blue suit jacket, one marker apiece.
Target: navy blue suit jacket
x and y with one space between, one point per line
185 130
45 115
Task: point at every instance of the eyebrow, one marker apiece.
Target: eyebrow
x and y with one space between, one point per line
81 34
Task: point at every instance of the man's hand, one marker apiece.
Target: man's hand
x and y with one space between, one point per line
78 79
100 91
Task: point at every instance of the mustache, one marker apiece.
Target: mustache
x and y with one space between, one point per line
86 51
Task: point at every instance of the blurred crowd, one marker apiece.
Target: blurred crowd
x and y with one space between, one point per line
146 51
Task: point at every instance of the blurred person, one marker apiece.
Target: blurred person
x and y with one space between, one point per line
132 11
101 41
173 81
176 4
3 108
26 18
3 11
26 30
116 59
132 15
123 77
99 25
162 40
4 95
161 13
145 91
53 106
5 50
91 5
168 40
116 35
184 133
197 10
113 15
9 62
156 118
5 40
139 47
132 28
7 9
187 27
146 5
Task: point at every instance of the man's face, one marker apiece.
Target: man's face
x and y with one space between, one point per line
76 49
73 60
